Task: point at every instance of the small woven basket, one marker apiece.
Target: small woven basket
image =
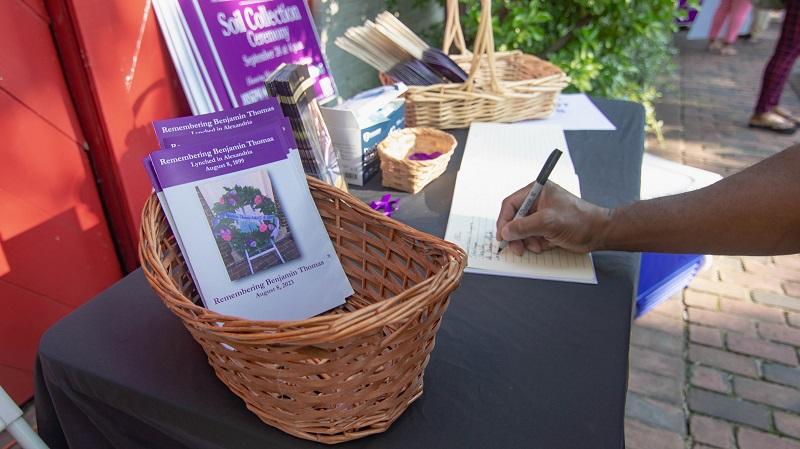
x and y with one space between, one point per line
502 86
399 172
347 373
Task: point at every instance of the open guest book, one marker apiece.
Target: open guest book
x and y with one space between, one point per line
499 159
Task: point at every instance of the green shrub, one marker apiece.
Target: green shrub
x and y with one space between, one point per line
610 48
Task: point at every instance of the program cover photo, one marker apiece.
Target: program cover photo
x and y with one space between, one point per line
248 223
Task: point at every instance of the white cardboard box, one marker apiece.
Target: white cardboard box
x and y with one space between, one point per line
359 124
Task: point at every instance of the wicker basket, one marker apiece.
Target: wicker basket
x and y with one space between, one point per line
401 173
502 86
343 375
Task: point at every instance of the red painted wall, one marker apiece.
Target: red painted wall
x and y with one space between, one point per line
56 250
122 78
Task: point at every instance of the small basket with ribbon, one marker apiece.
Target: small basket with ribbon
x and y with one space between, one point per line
413 157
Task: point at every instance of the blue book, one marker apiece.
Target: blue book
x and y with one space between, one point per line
663 275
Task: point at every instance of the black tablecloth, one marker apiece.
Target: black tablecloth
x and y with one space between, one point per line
518 363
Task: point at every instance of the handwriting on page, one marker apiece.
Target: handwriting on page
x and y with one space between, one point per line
477 236
498 160
479 241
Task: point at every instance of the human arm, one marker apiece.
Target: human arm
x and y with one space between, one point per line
754 212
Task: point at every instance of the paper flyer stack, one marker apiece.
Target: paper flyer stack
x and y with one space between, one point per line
291 85
234 191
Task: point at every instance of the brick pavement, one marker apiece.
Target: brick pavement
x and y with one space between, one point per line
717 366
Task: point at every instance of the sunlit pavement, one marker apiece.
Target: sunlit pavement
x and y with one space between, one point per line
717 366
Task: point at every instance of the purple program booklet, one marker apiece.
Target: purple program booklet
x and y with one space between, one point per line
265 116
238 43
254 122
258 247
198 127
159 192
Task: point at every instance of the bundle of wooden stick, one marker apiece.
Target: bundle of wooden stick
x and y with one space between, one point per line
389 46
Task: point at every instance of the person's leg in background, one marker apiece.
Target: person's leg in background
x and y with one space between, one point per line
720 15
767 114
759 23
739 11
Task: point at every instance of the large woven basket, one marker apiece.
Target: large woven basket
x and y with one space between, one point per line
502 86
399 172
343 375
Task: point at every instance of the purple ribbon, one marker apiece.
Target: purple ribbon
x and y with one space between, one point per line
424 156
386 205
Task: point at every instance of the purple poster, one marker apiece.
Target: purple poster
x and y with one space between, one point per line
201 50
245 40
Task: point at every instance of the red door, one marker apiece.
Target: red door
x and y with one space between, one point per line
121 78
56 251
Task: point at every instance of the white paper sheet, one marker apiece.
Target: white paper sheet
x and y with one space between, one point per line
498 149
661 177
498 160
576 112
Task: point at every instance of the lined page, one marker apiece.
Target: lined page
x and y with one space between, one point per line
518 151
500 161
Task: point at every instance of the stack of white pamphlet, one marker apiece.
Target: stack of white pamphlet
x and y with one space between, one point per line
499 159
233 189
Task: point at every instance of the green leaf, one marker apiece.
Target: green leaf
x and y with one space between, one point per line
612 48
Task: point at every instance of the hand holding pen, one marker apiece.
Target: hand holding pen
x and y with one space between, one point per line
535 190
558 219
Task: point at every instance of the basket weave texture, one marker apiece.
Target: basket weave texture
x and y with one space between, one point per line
502 86
411 176
342 375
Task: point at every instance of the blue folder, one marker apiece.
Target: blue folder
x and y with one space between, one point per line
663 275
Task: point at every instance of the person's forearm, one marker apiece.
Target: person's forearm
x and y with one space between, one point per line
756 211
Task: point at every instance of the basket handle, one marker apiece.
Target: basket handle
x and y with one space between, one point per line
484 42
452 29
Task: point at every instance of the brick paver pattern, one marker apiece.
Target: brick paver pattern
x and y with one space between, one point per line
717 366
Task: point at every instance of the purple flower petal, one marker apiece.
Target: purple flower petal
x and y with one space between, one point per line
424 156
386 205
